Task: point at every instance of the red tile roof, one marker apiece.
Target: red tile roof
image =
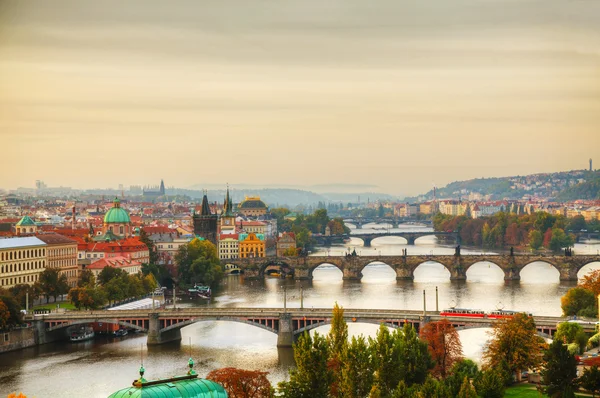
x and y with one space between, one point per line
115 262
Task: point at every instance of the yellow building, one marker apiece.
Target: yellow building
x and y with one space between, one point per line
252 245
21 261
61 254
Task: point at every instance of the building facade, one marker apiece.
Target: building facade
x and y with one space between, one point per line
251 245
128 265
252 206
26 226
229 247
61 254
286 241
21 261
206 223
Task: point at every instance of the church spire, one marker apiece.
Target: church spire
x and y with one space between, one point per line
228 206
205 207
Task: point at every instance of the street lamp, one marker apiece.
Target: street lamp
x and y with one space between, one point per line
284 299
301 297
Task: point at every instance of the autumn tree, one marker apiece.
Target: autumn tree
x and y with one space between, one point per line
14 395
338 342
578 301
535 239
4 315
591 282
14 309
86 278
444 346
514 342
560 371
240 383
290 252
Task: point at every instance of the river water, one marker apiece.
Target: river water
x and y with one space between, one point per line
98 368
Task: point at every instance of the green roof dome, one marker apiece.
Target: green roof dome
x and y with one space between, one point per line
116 214
252 203
25 221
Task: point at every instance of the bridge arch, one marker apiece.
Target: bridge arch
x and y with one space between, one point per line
192 321
398 240
87 321
475 276
350 321
314 267
283 266
531 271
589 266
232 269
458 328
432 265
383 261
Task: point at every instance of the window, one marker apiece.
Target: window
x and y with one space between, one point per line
121 230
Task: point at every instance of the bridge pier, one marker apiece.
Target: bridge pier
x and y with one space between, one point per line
367 242
512 274
458 273
285 334
156 337
568 273
404 274
410 239
302 274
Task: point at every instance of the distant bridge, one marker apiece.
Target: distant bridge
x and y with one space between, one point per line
367 238
394 222
165 325
351 266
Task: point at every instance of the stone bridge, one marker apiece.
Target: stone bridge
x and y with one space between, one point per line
165 325
351 266
367 238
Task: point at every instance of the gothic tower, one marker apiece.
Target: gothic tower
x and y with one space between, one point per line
205 224
227 217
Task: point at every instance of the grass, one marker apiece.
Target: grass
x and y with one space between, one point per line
52 306
527 391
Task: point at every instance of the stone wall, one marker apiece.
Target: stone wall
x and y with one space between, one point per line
16 339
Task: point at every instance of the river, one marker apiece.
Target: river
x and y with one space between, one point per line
98 368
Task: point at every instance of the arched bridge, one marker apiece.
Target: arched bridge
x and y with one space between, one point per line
165 325
367 238
351 266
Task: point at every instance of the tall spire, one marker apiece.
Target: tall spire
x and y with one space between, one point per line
162 187
228 206
205 207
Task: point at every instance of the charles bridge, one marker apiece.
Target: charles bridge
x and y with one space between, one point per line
351 266
164 325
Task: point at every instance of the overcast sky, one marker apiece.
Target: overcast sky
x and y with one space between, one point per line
394 93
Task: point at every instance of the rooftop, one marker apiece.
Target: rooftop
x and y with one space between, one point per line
12 243
55 239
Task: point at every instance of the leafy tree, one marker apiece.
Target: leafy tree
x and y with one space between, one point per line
590 380
444 346
569 332
53 283
338 343
20 292
198 263
560 239
467 390
160 272
591 282
460 370
290 252
513 341
547 238
357 370
577 223
560 372
240 383
432 388
490 384
109 273
312 376
576 300
88 297
16 317
535 239
86 278
4 315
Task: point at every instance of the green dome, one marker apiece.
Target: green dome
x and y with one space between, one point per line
184 387
116 215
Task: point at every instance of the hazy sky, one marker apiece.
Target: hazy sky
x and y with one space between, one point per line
396 93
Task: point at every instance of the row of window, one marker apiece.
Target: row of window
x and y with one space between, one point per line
28 266
18 280
62 252
22 254
62 263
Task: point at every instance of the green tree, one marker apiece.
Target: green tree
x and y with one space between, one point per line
560 239
576 224
490 384
570 332
357 370
86 278
53 283
560 371
467 390
338 343
198 263
576 300
312 376
432 388
20 292
535 239
14 309
514 342
109 273
590 380
460 370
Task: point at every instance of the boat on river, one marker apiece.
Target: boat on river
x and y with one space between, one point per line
200 291
83 334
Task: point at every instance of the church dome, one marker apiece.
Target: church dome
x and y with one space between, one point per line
253 202
116 215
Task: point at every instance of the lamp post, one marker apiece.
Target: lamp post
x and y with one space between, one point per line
301 297
284 299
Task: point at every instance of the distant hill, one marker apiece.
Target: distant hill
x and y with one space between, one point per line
565 185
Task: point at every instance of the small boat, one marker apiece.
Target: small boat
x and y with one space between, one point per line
120 332
200 291
82 334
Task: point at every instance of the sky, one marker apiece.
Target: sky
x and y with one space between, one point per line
398 94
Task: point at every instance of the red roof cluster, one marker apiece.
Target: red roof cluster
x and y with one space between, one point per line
115 262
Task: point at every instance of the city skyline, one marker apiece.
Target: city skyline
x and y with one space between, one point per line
398 95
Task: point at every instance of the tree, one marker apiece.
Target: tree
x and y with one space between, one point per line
591 282
547 238
590 380
240 383
467 390
569 332
431 388
198 262
290 252
513 341
86 278
490 384
576 300
53 283
535 239
312 377
14 309
4 315
338 343
560 239
444 346
560 372
357 370
109 273
460 370
20 292
577 223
